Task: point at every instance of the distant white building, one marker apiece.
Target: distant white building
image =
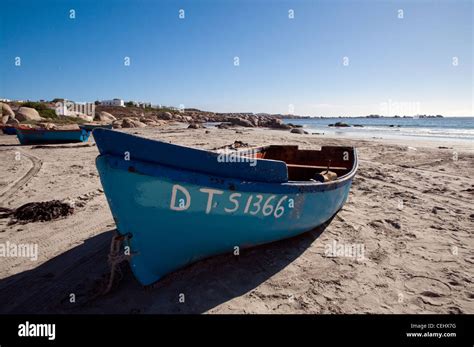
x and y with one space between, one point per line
113 102
5 100
141 104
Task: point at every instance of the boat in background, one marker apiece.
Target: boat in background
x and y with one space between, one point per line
91 127
9 130
174 205
28 136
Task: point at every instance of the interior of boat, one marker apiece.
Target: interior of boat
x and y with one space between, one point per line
306 165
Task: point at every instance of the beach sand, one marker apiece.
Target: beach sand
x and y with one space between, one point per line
410 206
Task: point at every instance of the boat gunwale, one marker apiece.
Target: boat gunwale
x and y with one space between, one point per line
102 136
24 130
89 127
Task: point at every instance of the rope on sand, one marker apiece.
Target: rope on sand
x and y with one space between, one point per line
115 258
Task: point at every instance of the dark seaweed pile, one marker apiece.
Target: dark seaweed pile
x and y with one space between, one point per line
236 145
39 211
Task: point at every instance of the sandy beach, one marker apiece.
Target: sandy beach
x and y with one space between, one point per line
410 206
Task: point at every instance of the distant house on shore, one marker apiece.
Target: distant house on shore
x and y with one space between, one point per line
4 100
113 102
138 104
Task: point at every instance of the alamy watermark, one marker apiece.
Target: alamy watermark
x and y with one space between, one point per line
28 329
348 250
21 250
228 156
69 108
396 108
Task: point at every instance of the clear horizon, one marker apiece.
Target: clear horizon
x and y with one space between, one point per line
332 59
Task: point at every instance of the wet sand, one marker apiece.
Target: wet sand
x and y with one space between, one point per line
411 207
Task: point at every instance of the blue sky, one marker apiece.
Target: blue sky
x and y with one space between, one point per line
285 64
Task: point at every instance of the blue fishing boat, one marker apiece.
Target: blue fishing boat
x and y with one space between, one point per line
28 136
91 127
174 205
9 130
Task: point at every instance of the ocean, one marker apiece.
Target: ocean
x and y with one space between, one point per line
448 128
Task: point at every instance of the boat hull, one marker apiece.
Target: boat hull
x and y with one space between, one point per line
35 136
176 217
9 130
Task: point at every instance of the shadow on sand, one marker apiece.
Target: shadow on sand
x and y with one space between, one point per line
206 284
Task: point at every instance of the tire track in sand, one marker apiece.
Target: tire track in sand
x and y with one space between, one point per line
36 166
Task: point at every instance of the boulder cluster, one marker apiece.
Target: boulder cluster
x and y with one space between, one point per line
228 120
339 124
8 117
134 117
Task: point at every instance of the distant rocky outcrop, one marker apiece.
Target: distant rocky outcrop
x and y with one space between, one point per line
84 117
295 125
429 116
28 114
6 113
132 123
339 124
153 121
159 116
274 123
117 124
195 126
224 125
165 115
239 121
298 131
12 121
47 126
154 116
105 117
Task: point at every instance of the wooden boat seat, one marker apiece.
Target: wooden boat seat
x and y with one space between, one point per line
303 164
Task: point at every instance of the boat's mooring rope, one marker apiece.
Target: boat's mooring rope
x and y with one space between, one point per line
115 257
